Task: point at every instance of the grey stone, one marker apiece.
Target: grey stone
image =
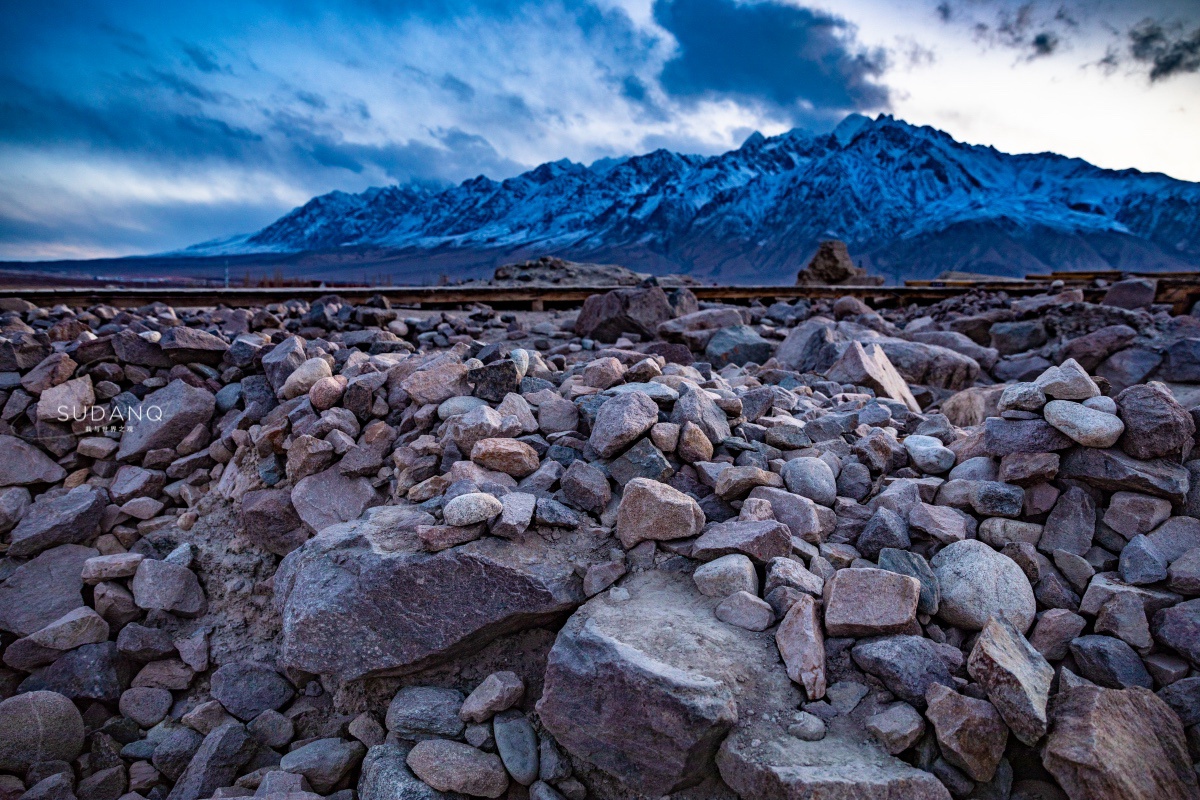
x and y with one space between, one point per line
1015 676
1113 470
695 406
914 565
70 518
164 418
907 665
1110 662
497 692
621 421
216 763
745 611
386 776
976 583
737 344
324 762
811 478
885 529
23 464
163 586
91 672
1141 562
421 712
761 541
1179 629
517 745
248 688
1086 426
145 706
726 575
897 728
1071 525
1002 437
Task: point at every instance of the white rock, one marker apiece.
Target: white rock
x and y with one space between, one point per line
472 508
929 454
746 611
1087 426
727 575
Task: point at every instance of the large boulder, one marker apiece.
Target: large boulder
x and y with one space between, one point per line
70 518
43 590
362 598
831 265
1108 744
653 688
38 726
977 582
637 310
22 464
930 364
164 418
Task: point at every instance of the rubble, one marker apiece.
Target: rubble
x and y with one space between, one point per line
652 547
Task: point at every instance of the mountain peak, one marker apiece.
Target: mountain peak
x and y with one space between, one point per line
849 128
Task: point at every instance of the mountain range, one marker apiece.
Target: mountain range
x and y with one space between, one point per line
909 201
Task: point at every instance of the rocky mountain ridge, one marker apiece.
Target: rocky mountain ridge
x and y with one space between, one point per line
910 201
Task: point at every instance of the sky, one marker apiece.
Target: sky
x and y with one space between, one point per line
133 127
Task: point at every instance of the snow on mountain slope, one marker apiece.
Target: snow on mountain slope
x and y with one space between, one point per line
910 201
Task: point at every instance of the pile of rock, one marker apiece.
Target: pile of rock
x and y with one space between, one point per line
646 549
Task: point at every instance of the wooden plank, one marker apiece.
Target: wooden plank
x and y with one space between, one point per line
463 295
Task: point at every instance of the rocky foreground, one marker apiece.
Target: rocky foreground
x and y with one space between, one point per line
644 549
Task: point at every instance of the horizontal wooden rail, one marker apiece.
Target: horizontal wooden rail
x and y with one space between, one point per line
1178 289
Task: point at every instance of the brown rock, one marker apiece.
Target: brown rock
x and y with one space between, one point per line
1108 744
509 456
1015 676
762 540
802 645
651 510
971 733
456 767
637 310
871 602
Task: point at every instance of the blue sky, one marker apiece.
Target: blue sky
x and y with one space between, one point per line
135 127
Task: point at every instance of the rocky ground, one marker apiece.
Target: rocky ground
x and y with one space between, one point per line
643 549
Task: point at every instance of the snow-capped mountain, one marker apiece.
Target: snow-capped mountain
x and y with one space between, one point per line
910 202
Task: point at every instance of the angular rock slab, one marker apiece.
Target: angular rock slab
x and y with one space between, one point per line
1015 676
645 688
869 366
1108 744
362 599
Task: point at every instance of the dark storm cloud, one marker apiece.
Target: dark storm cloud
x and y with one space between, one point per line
1164 43
1034 30
126 123
796 61
1167 50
